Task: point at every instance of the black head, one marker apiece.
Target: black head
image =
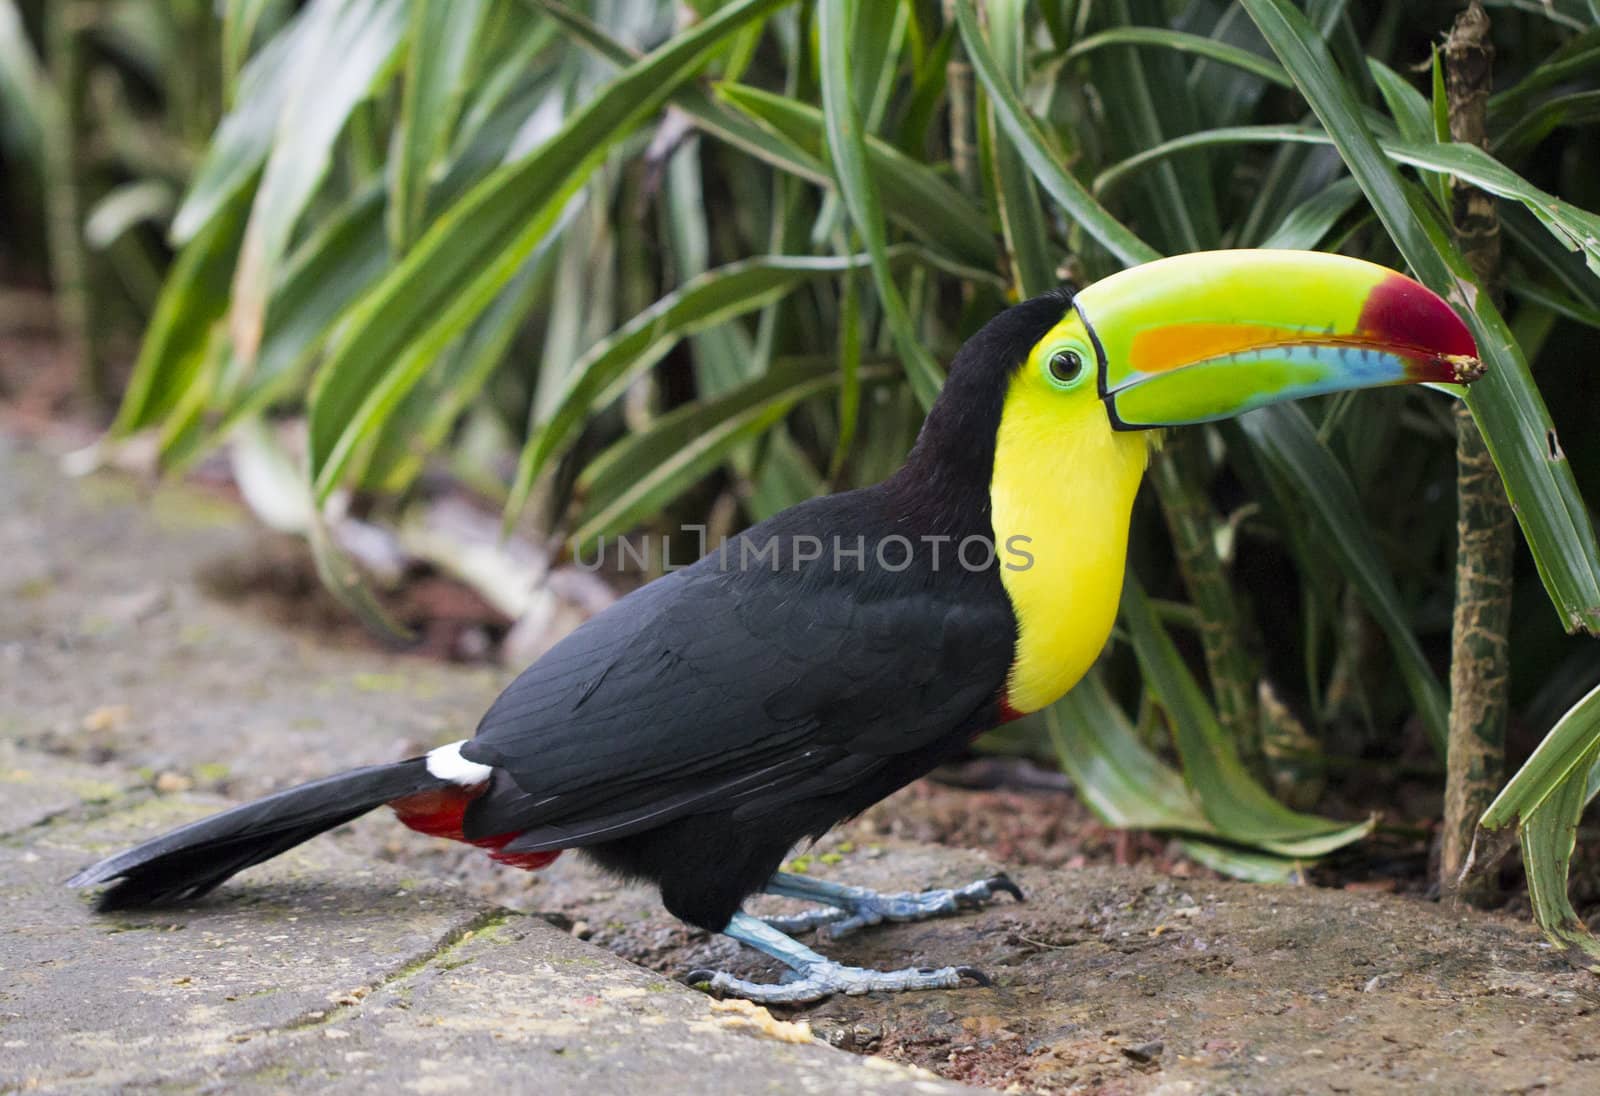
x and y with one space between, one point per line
954 453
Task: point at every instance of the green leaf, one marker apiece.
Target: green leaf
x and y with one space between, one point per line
1165 38
179 339
477 246
1409 107
241 20
928 88
710 116
442 33
1021 217
1035 149
1414 116
344 580
688 462
1576 228
332 268
1440 103
1529 238
1246 864
1059 17
1241 809
1505 403
1554 300
1308 223
124 208
915 197
1548 837
783 475
1577 57
1547 8
326 273
1317 487
425 417
877 38
1119 779
644 472
336 63
25 93
847 146
1145 97
715 297
1128 787
233 159
1563 756
1519 138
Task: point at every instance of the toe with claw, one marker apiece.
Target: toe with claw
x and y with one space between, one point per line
824 979
850 908
813 976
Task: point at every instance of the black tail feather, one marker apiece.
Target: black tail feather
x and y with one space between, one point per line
193 859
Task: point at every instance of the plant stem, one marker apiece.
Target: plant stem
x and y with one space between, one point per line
1192 524
963 122
69 265
1479 664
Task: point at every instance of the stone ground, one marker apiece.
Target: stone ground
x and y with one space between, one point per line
131 701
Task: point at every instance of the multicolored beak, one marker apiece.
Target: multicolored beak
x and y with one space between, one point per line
1214 334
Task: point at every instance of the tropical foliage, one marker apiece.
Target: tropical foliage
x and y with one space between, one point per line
625 263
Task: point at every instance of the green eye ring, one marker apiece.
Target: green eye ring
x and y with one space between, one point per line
1066 367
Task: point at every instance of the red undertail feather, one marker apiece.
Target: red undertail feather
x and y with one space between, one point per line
438 813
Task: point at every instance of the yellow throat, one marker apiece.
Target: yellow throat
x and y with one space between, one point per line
1065 481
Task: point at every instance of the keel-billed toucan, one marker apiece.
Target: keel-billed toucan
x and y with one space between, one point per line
694 732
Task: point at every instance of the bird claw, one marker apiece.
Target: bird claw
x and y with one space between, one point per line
863 908
1003 882
700 976
975 976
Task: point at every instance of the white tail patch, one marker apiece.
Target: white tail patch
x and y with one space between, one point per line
446 763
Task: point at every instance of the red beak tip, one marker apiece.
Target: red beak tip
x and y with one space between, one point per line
1410 314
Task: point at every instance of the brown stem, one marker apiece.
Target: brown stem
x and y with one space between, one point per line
1479 666
963 124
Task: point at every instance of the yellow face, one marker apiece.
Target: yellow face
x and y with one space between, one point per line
1187 339
1062 491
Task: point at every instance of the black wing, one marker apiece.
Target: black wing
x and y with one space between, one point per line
726 686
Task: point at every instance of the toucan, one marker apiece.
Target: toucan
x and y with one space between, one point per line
693 733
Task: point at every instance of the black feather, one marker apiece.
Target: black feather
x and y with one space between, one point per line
750 705
193 859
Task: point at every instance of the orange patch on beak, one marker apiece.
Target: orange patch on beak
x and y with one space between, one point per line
1158 349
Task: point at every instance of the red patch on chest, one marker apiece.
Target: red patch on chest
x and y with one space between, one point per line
439 813
1007 712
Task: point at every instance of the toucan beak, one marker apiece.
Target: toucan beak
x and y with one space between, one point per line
1214 334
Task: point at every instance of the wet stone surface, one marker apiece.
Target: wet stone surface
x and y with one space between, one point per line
127 700
130 701
323 969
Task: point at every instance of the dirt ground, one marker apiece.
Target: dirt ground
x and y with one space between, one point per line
1119 980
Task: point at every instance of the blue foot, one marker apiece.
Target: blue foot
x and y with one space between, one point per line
847 909
816 976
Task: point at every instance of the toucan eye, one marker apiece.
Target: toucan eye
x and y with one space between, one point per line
1066 366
